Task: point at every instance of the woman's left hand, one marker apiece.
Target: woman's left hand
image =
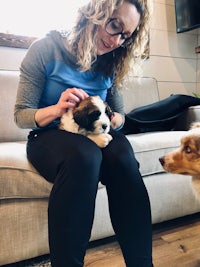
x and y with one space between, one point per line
117 120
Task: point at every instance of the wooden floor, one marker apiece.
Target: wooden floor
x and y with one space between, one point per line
175 244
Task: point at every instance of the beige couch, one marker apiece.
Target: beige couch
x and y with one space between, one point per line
24 193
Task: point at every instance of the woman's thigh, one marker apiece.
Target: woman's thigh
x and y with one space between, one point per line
47 150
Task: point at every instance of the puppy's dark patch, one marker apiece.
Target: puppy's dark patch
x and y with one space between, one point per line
86 122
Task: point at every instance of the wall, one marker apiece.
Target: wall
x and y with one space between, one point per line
172 62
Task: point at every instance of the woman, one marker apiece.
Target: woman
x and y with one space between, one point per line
56 74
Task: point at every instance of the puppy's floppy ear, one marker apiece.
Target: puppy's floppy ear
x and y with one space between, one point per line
94 115
81 117
84 118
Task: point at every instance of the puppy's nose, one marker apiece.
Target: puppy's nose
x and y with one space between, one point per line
162 161
104 126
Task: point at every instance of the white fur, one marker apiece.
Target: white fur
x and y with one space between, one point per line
100 135
68 123
103 119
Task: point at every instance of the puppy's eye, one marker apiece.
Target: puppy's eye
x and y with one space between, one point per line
187 149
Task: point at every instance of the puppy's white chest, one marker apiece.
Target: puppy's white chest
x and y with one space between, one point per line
67 122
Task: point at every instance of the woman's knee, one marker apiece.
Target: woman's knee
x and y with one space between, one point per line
82 165
120 153
119 163
87 157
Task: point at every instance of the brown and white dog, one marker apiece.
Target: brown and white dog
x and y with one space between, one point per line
186 159
90 118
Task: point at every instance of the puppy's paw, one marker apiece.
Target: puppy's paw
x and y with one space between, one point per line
102 140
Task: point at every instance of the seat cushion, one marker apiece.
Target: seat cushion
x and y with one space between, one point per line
149 147
18 178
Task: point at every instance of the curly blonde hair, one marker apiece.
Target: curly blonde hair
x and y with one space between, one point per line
83 44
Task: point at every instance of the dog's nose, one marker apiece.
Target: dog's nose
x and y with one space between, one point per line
104 126
162 161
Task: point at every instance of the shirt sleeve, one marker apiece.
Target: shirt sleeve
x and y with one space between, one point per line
115 100
31 85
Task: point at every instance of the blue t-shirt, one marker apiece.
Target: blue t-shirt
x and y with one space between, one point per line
61 76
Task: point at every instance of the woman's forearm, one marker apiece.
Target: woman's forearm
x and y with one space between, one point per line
44 116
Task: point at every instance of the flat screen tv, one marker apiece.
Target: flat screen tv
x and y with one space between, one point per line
187 15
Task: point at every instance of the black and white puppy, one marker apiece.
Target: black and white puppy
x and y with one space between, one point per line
90 118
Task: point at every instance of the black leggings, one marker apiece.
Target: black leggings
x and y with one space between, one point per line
75 165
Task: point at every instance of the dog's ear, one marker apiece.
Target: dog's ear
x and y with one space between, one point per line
85 119
81 117
94 115
197 144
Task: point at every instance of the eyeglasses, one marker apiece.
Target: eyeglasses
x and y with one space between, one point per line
114 27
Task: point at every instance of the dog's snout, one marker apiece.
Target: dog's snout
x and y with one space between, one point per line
162 161
104 126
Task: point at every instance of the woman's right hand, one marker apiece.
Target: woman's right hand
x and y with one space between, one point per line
68 99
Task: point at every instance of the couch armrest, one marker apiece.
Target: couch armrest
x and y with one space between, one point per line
185 120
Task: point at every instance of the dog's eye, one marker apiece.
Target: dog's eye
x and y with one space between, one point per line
187 149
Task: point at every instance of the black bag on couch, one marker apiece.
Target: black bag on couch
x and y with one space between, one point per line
159 116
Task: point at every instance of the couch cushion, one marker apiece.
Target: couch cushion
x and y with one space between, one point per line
8 85
149 147
18 178
134 90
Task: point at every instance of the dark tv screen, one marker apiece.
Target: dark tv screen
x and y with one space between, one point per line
187 15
